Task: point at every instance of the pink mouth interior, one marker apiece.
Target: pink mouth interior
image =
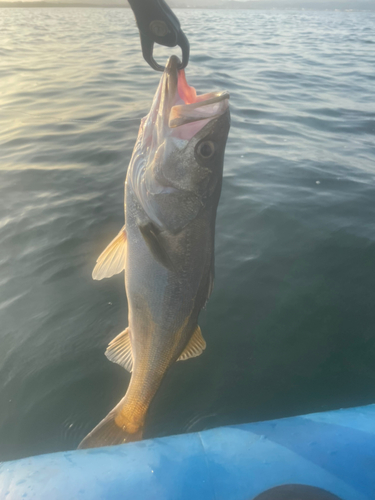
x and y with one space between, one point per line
187 95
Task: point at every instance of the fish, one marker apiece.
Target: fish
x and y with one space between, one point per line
166 247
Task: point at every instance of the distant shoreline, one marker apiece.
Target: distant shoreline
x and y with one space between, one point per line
56 5
230 5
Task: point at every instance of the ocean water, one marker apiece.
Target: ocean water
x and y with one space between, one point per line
290 327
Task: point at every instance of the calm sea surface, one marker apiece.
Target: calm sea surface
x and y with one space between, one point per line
290 327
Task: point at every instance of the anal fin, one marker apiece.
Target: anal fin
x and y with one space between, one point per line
195 346
119 351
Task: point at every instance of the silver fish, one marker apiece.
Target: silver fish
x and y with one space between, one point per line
166 247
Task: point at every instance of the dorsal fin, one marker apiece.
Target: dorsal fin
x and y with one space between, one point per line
119 350
195 346
112 260
153 239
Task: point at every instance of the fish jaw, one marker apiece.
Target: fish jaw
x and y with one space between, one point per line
175 104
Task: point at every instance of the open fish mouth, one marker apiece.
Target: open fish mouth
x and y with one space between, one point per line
184 112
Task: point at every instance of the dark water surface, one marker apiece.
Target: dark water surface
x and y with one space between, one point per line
290 327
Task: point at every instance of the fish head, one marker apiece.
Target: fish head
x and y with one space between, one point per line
177 164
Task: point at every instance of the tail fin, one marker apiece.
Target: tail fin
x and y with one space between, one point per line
108 433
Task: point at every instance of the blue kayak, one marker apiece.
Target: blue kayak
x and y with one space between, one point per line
323 456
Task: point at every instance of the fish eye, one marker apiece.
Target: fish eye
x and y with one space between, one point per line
206 149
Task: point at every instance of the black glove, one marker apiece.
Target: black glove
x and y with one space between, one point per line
158 24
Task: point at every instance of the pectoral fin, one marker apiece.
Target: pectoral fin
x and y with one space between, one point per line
195 346
119 351
112 260
153 239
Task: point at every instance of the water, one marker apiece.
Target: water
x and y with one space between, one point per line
290 325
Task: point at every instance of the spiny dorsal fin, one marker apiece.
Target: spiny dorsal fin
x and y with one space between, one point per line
151 235
112 260
195 347
119 351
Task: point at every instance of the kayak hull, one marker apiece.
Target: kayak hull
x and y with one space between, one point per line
322 456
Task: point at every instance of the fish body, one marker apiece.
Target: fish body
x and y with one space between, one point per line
166 247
